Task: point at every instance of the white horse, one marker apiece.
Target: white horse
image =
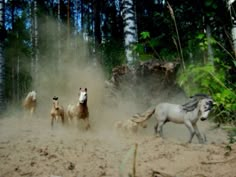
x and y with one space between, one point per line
188 114
30 102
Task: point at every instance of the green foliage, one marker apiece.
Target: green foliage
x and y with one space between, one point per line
228 150
17 54
149 48
207 79
231 132
234 62
232 135
145 35
112 55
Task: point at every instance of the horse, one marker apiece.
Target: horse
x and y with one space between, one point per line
197 108
57 111
80 110
30 102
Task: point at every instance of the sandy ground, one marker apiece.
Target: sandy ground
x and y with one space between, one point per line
29 147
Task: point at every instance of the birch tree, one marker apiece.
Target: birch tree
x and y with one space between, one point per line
130 29
2 85
233 29
35 58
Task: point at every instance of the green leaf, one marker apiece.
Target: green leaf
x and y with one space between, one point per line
145 35
154 42
208 3
234 63
200 36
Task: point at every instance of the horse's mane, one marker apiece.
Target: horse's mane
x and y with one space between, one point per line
192 104
200 96
28 102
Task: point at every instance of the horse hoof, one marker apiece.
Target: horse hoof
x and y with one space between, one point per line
157 136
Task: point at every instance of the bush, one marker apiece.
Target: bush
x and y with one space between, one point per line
206 79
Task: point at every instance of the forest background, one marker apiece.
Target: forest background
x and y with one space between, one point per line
200 35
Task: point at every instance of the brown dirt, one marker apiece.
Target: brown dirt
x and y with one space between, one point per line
29 147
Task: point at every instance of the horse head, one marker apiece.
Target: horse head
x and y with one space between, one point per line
32 95
194 101
55 102
83 96
205 106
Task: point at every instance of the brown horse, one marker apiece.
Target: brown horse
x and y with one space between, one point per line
30 102
57 111
80 110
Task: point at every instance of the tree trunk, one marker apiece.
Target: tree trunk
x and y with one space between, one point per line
233 19
82 15
18 79
130 30
13 66
2 61
35 58
68 19
97 21
59 33
209 46
233 32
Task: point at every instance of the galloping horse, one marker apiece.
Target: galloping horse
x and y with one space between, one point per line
30 102
57 111
198 108
80 110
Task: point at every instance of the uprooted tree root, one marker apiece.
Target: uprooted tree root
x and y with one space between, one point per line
222 161
161 174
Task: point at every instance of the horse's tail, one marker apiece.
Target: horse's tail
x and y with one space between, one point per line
69 111
144 116
149 113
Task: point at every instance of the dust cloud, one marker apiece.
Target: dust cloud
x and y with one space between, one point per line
74 68
63 74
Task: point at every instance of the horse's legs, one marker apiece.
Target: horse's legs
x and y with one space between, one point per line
31 112
155 128
200 139
52 120
62 118
87 123
159 128
188 124
34 109
69 117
